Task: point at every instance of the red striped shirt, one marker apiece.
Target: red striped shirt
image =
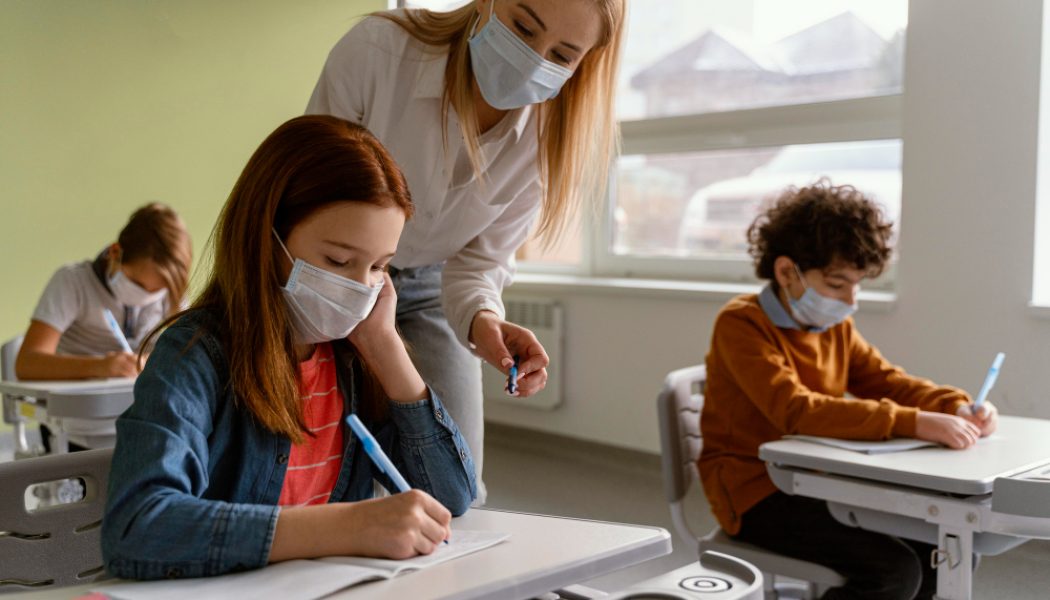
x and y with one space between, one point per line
313 466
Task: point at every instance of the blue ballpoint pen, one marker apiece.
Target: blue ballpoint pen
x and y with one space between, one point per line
115 328
989 381
374 452
512 378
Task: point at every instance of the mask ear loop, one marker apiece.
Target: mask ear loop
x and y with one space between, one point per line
283 247
477 21
114 261
801 278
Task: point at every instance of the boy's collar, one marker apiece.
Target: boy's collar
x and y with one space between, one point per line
776 312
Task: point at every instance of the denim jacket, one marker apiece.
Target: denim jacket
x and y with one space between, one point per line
195 479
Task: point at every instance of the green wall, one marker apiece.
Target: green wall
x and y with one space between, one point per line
107 104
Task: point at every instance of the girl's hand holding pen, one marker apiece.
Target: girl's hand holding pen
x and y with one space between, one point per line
399 526
119 364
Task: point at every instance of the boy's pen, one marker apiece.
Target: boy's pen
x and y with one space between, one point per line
989 381
512 378
115 328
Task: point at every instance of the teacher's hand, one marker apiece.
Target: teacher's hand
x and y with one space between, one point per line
498 342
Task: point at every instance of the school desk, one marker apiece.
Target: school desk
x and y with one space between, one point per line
100 400
543 553
986 499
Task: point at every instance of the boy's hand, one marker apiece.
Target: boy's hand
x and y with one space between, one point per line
950 430
986 419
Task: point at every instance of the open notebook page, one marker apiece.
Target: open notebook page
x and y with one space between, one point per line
298 579
867 447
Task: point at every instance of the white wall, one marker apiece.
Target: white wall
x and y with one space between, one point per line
964 280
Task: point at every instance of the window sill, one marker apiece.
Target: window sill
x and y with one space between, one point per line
668 289
1039 311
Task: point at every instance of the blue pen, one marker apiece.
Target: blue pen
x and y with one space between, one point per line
372 449
376 453
989 381
512 378
115 328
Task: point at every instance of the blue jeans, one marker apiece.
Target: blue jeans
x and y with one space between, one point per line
451 370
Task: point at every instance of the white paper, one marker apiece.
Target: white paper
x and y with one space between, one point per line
460 544
300 579
867 447
291 580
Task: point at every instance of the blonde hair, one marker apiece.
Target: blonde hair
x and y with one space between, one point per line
578 134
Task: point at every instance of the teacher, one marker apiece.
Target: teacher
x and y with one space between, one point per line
501 115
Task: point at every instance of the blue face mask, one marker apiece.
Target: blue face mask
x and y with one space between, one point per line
816 311
509 73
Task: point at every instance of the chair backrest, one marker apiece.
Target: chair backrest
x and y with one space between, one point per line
8 354
678 406
58 545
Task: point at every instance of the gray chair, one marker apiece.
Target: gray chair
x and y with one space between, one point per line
57 545
11 414
679 405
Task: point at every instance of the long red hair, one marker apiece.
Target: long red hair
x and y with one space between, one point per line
308 163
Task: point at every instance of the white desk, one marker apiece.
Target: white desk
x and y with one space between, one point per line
542 554
988 498
101 400
85 399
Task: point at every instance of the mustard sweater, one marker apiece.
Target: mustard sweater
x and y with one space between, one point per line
765 381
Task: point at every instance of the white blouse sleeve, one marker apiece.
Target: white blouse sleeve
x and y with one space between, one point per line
474 277
348 82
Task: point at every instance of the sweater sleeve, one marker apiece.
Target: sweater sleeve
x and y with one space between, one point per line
872 376
760 368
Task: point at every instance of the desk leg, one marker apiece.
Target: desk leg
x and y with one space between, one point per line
59 439
954 562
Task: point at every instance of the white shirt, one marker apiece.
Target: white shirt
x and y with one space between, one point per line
379 76
72 303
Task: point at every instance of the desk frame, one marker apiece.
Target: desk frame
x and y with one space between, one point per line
54 400
957 517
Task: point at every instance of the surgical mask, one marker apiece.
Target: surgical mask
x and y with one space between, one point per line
129 293
509 73
818 311
324 306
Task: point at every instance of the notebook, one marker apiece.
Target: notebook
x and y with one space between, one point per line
867 447
299 579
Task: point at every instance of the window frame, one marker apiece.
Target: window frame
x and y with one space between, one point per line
850 120
867 118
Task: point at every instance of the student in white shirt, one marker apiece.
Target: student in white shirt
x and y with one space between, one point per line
140 278
500 113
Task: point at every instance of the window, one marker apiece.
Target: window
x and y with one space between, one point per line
725 103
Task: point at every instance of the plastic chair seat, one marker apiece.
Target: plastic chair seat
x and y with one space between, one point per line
769 562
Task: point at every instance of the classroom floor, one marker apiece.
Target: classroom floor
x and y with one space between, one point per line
542 473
